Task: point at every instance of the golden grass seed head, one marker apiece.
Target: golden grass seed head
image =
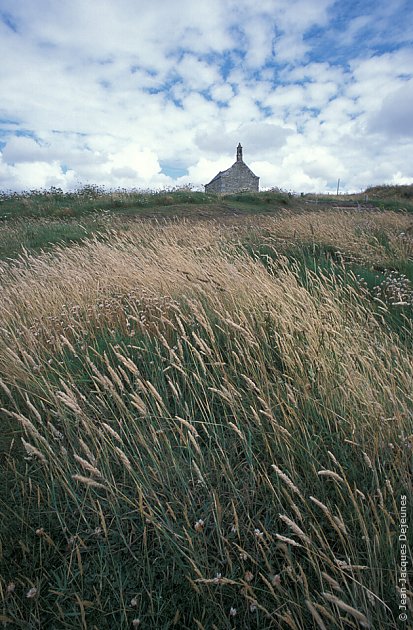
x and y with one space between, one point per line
359 616
123 458
331 474
295 528
33 451
87 481
87 466
112 432
315 614
287 481
287 540
332 582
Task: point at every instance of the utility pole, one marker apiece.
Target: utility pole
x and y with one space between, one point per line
338 186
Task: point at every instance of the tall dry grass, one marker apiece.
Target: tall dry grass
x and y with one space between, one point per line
206 441
367 235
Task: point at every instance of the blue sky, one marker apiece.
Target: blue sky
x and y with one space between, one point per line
129 93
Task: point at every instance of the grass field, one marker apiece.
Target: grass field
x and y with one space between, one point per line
207 413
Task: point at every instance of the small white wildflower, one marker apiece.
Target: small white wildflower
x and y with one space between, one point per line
199 525
134 602
258 534
371 598
232 612
31 593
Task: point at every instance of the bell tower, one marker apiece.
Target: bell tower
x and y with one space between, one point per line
239 153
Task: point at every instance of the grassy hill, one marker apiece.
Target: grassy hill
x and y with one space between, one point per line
391 192
38 219
207 411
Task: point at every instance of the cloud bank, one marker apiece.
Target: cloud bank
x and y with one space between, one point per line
130 94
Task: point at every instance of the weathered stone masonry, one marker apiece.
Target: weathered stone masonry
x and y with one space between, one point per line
237 178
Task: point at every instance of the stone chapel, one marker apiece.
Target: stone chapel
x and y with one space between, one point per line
237 178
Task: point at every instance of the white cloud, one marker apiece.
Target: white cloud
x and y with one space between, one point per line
394 118
144 164
21 149
222 92
197 74
258 139
204 170
34 175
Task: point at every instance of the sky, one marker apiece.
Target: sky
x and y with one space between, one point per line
157 94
